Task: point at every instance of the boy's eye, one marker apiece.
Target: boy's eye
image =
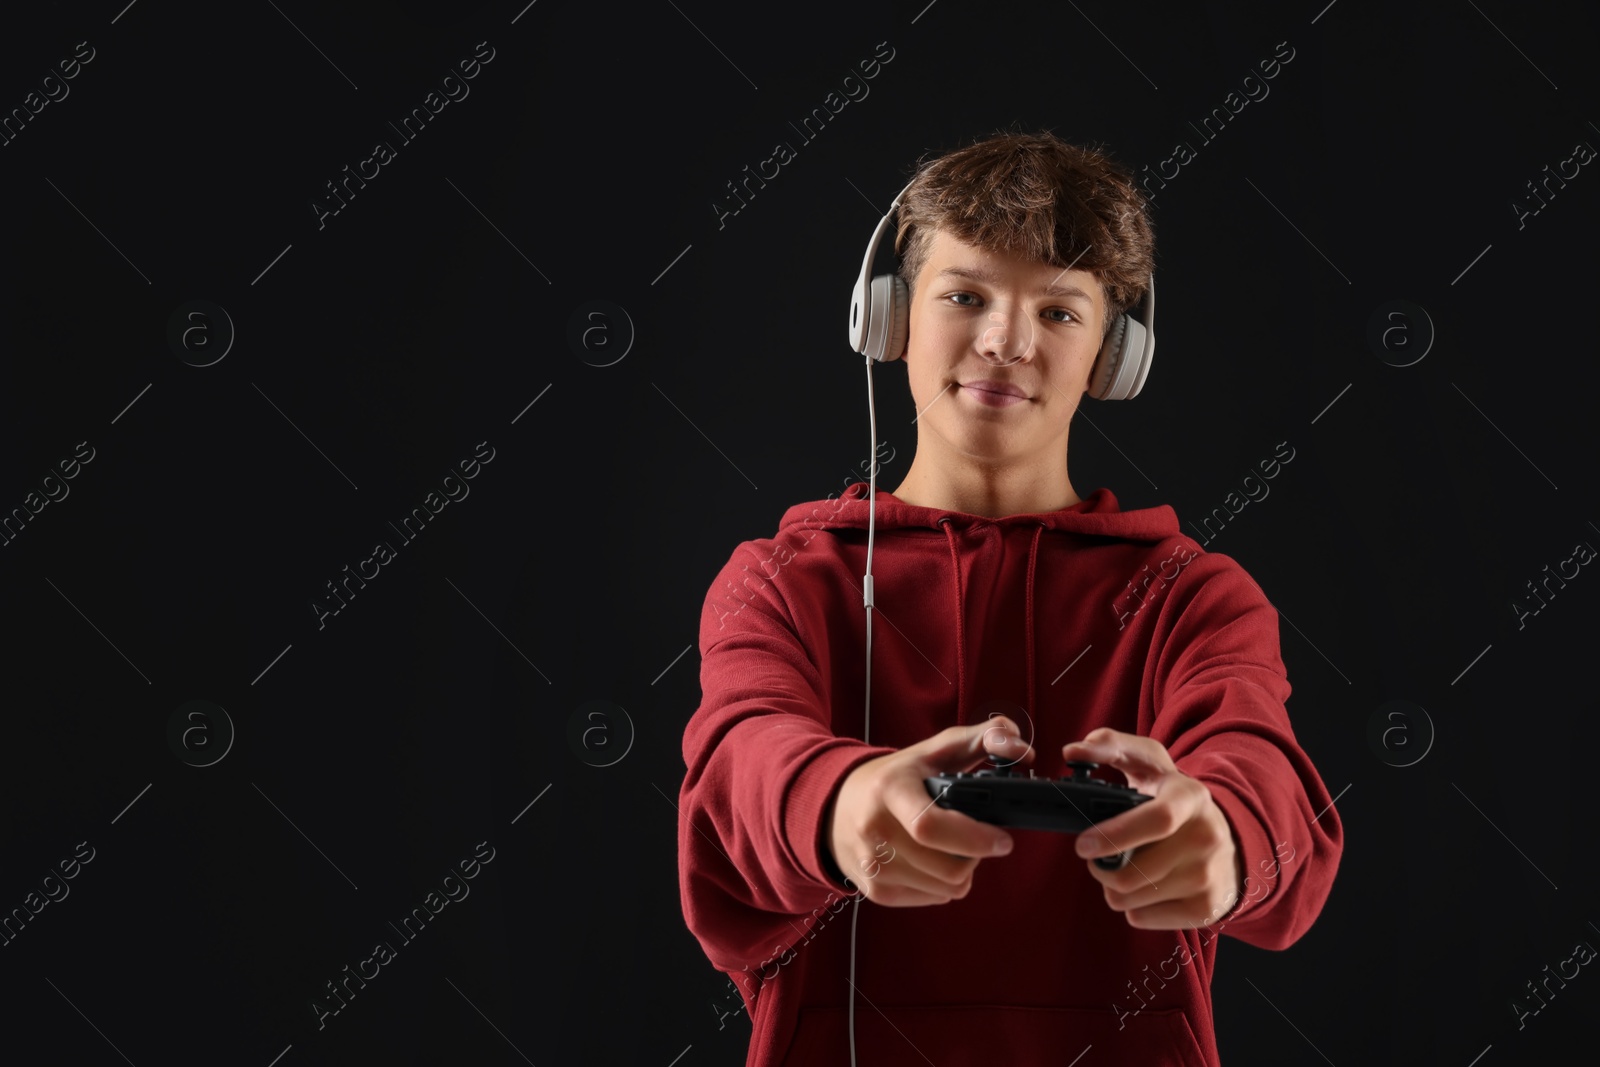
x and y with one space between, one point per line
962 298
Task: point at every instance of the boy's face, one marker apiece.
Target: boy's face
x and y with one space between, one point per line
1001 328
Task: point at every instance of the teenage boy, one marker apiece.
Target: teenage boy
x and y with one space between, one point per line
1013 617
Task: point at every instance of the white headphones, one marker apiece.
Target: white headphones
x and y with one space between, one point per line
880 311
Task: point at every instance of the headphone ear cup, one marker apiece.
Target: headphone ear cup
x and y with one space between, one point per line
1123 363
1112 353
899 321
889 318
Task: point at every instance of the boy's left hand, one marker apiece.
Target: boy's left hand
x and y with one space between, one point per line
1187 871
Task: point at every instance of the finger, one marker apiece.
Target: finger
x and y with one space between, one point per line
959 746
1186 914
938 828
943 867
1175 804
914 866
899 896
1002 740
1148 868
1131 754
1157 880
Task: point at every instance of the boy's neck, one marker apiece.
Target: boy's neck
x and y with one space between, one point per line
988 491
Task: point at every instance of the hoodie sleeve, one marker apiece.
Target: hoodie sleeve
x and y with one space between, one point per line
1219 688
763 766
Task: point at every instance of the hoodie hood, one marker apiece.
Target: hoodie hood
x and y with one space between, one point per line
1097 515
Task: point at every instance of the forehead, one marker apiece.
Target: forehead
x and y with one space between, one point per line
956 260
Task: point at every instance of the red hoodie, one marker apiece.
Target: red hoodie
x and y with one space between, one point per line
1085 617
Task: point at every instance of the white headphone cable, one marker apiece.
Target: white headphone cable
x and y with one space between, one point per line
866 725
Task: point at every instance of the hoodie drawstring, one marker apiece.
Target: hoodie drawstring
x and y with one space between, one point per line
961 639
1033 556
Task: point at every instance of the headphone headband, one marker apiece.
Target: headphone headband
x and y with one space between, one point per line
859 304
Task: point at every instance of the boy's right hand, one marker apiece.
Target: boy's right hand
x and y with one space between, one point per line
889 838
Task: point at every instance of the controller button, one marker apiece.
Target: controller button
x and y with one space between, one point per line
1081 769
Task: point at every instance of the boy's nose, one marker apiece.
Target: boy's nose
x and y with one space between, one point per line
995 336
999 345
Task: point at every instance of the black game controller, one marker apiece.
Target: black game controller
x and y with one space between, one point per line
1003 797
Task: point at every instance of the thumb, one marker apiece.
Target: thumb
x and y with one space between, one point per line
1135 756
965 747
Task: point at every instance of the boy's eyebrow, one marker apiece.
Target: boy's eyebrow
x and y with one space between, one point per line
979 274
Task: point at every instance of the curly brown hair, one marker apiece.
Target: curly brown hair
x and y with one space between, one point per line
1037 197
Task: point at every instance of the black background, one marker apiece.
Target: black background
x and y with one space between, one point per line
374 353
